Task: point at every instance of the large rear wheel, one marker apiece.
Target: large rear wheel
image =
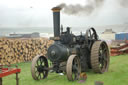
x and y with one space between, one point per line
100 57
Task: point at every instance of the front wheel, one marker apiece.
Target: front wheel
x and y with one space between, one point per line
39 67
73 68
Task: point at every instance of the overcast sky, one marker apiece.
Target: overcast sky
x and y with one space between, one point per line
37 13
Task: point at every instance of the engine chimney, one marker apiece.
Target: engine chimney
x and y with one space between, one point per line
56 21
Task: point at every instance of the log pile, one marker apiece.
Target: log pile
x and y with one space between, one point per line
21 50
120 49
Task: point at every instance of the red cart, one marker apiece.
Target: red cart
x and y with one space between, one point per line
8 71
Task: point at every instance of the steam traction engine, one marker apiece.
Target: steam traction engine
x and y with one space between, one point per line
71 54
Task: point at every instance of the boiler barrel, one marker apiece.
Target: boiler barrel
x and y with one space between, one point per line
58 52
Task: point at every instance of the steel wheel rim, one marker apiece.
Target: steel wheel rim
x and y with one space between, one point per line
103 61
38 68
73 68
100 57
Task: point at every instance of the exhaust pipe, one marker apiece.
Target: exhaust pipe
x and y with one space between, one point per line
56 21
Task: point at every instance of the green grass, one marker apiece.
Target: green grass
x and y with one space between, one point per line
117 75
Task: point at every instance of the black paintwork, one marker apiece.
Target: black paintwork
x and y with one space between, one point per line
69 44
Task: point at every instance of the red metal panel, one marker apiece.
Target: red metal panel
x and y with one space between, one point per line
6 72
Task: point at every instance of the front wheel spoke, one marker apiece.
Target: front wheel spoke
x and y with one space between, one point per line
36 72
43 73
76 75
41 61
76 61
43 64
36 66
37 63
39 75
73 75
74 68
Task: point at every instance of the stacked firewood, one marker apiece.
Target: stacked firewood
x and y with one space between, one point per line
21 50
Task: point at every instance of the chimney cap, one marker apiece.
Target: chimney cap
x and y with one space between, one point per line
56 9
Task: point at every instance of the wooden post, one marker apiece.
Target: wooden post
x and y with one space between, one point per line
17 79
0 81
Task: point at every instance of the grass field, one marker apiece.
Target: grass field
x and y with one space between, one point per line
117 75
